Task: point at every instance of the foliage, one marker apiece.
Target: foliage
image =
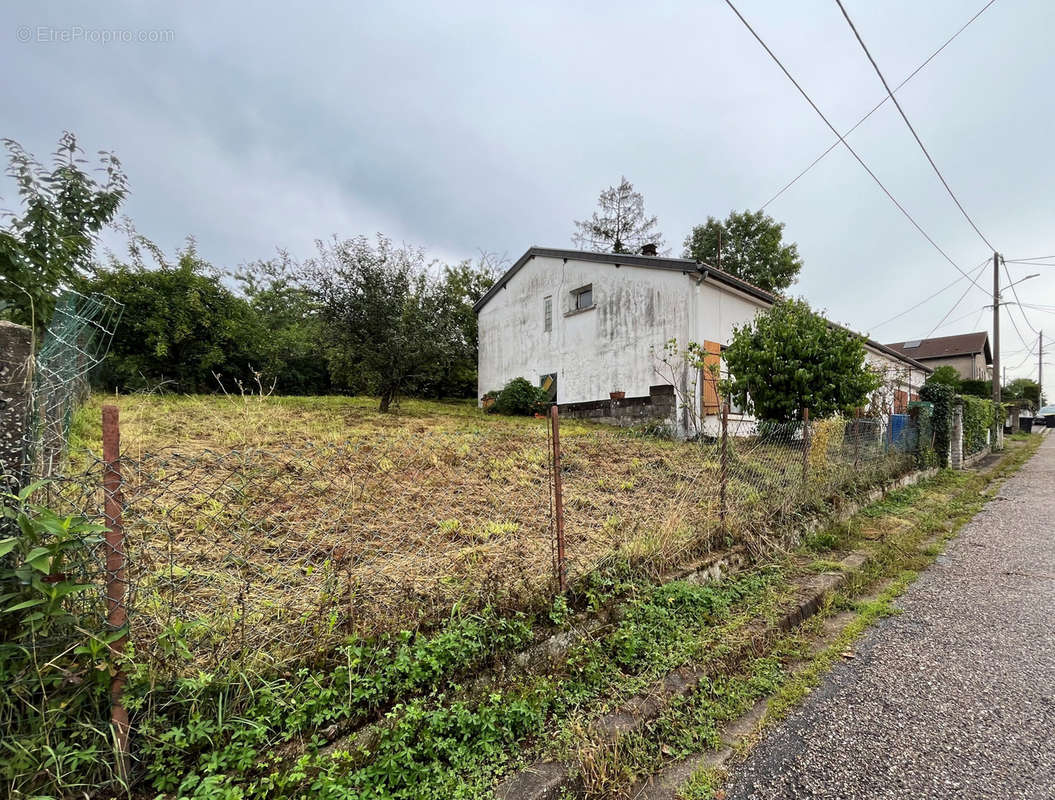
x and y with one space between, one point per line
942 397
790 358
289 353
683 368
976 388
1022 392
978 416
51 242
181 326
388 327
620 226
947 375
461 287
748 245
926 455
520 398
196 732
54 704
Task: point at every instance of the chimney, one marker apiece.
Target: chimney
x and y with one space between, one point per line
648 249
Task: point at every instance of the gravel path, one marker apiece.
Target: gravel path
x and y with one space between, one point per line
953 698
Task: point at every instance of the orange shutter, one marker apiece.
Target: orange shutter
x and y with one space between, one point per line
712 364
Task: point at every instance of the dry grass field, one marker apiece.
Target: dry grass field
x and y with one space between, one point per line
266 526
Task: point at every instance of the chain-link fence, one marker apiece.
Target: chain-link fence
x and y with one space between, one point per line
271 556
77 339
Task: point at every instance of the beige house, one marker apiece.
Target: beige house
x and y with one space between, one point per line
968 353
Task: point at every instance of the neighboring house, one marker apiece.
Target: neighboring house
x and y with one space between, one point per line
968 353
590 326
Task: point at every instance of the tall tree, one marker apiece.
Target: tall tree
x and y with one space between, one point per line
50 243
748 245
790 358
386 330
620 224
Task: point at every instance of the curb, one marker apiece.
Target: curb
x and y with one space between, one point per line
547 780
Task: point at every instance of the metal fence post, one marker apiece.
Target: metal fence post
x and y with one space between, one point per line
857 437
116 579
724 472
805 443
558 501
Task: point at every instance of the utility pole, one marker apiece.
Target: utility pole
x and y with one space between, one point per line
1040 366
998 419
996 327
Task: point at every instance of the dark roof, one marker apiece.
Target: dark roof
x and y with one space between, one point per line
963 344
685 265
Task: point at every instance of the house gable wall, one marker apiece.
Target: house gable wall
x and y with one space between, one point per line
593 352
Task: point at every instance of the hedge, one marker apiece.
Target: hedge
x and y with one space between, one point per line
942 397
978 416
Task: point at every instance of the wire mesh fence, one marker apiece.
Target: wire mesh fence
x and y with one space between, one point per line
269 557
77 339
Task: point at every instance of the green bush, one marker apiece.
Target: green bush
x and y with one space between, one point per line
54 671
942 397
520 397
977 388
978 416
926 455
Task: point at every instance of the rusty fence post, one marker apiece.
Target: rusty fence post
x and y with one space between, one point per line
558 500
805 444
723 475
116 579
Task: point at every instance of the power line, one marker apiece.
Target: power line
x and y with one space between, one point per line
1031 258
915 135
846 144
921 302
1014 290
1028 263
957 303
876 107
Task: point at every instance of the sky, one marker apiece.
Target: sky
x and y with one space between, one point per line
468 127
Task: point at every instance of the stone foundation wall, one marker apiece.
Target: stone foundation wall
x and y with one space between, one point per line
659 407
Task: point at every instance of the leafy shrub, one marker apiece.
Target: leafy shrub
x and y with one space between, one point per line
521 398
942 397
976 388
978 418
926 455
54 700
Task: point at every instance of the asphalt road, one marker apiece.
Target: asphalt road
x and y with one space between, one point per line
954 697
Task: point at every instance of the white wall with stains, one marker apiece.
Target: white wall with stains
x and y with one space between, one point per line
615 344
596 351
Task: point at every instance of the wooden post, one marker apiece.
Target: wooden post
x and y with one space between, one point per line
805 444
558 501
116 579
724 470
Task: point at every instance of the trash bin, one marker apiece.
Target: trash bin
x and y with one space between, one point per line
1026 424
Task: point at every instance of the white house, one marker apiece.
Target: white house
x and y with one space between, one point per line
588 325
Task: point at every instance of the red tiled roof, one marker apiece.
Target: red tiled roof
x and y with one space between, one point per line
963 344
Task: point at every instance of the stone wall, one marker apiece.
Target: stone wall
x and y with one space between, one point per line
16 352
659 408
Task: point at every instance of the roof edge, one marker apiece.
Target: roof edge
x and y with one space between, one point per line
670 264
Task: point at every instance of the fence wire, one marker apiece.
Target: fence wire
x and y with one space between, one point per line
272 556
77 339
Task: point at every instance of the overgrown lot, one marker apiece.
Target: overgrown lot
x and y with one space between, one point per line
268 528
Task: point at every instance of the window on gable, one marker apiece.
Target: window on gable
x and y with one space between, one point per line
547 313
583 297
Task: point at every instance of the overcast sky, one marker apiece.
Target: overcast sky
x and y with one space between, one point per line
463 127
